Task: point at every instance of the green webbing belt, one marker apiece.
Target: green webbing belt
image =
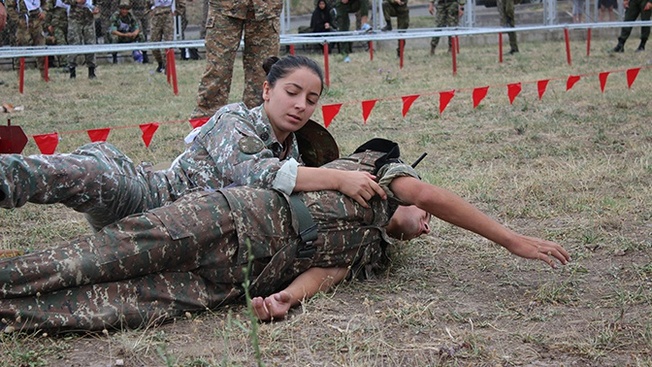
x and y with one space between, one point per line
307 228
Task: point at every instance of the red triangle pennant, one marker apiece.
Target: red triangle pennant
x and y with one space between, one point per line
329 112
444 99
407 103
631 76
513 90
571 81
367 106
197 122
98 134
148 132
541 87
479 94
603 79
47 143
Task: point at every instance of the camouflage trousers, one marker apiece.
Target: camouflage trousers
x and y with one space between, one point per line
162 30
139 271
402 14
81 33
223 35
29 32
506 11
96 179
447 15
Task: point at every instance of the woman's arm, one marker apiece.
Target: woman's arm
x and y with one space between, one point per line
306 285
451 208
358 185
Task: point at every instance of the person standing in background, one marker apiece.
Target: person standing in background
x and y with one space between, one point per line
81 31
634 8
29 16
140 10
506 11
447 14
227 22
162 27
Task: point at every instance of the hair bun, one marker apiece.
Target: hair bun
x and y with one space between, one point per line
269 62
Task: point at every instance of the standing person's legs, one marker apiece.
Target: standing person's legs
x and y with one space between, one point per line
88 34
631 13
344 22
645 31
261 40
223 36
74 38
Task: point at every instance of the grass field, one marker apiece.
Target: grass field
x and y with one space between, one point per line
574 167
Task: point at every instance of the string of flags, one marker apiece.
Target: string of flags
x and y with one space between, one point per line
478 94
47 143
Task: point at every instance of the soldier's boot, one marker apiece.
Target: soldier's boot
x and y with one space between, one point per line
145 58
73 72
641 46
620 47
183 54
160 68
194 54
388 27
114 57
91 72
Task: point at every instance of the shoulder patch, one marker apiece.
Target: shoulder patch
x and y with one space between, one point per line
250 145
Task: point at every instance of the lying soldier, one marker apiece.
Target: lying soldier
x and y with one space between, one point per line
197 253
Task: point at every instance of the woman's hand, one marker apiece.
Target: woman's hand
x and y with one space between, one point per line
360 186
538 249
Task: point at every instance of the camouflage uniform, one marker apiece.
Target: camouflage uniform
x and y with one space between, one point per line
447 15
236 146
125 24
190 256
344 23
57 17
506 11
27 14
81 30
140 10
162 26
227 20
401 12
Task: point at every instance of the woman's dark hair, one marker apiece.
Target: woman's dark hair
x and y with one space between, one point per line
276 68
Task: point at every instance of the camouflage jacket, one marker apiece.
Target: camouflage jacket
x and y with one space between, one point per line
19 8
126 24
237 146
80 12
262 9
349 235
57 16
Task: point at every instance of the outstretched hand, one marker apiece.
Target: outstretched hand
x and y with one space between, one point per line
360 186
539 249
273 307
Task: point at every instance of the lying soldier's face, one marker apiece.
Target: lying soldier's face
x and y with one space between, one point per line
408 222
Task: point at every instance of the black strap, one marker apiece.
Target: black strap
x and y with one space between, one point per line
307 228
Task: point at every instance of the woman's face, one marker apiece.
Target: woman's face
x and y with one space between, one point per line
322 5
292 100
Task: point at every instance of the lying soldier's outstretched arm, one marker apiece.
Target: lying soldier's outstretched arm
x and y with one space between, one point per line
451 208
306 285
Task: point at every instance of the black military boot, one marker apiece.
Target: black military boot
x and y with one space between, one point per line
145 58
114 56
160 68
91 72
183 54
641 46
620 47
73 72
388 27
194 54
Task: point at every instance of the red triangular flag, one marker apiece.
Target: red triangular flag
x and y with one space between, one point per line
198 121
541 87
367 106
148 132
407 103
513 90
98 134
479 94
631 76
329 112
571 81
47 143
603 79
444 99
